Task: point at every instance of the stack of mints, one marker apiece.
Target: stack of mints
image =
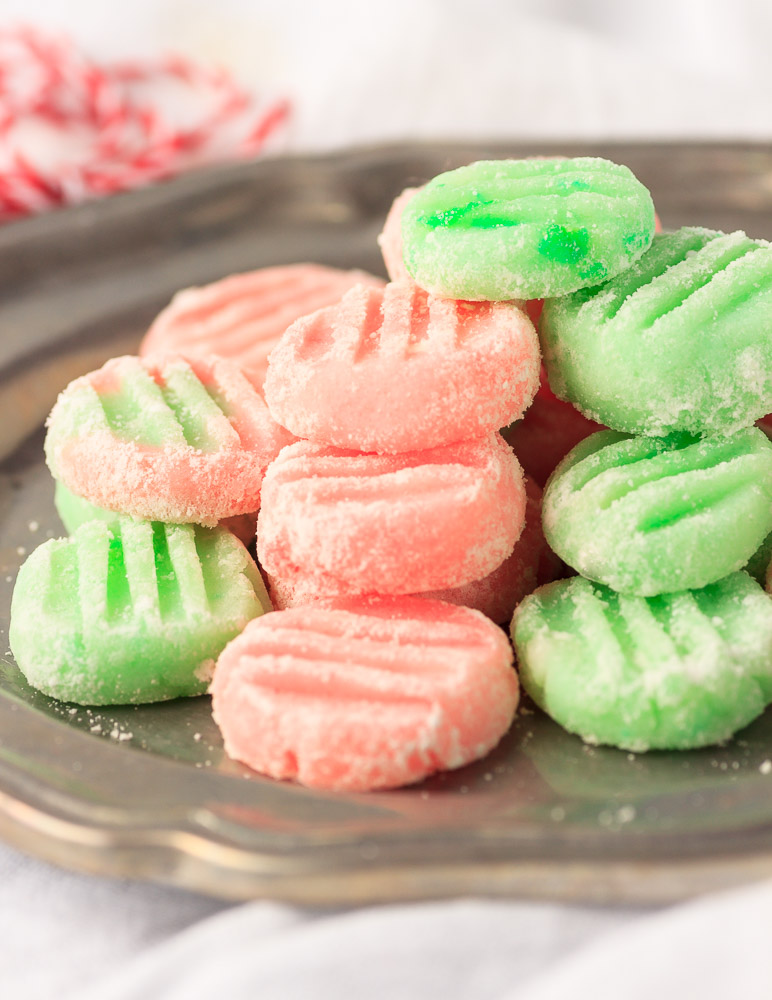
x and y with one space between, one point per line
370 687
661 642
159 463
400 492
400 527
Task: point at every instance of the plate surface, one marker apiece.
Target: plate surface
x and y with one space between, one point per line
147 791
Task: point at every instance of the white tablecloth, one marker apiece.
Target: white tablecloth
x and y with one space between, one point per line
71 936
421 69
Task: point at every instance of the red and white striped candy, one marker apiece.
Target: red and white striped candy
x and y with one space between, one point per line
72 129
243 316
363 694
394 369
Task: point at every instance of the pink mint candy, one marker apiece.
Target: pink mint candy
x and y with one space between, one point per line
164 438
352 523
390 240
531 564
394 369
366 693
242 316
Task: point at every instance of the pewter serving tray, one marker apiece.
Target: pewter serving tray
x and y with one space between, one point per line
147 792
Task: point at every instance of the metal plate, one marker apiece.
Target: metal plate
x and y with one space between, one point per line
147 791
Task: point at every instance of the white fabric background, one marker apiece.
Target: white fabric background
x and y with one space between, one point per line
360 72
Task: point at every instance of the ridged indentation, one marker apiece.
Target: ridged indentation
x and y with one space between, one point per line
688 628
614 610
192 394
417 631
244 315
357 323
223 567
612 451
626 471
651 633
186 565
59 578
352 657
302 678
140 566
136 409
335 476
378 664
226 305
167 406
495 194
92 547
310 462
695 500
316 339
666 252
237 414
399 321
154 571
203 423
420 483
406 320
674 288
700 270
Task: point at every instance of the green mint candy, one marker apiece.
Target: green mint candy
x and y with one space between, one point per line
137 612
679 342
525 229
676 671
652 515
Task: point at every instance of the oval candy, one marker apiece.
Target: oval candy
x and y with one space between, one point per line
525 229
680 342
368 693
354 523
396 370
135 613
652 515
671 672
165 439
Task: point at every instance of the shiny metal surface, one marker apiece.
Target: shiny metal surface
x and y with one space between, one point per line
146 791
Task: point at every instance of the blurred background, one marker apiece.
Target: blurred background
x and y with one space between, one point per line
77 121
361 72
